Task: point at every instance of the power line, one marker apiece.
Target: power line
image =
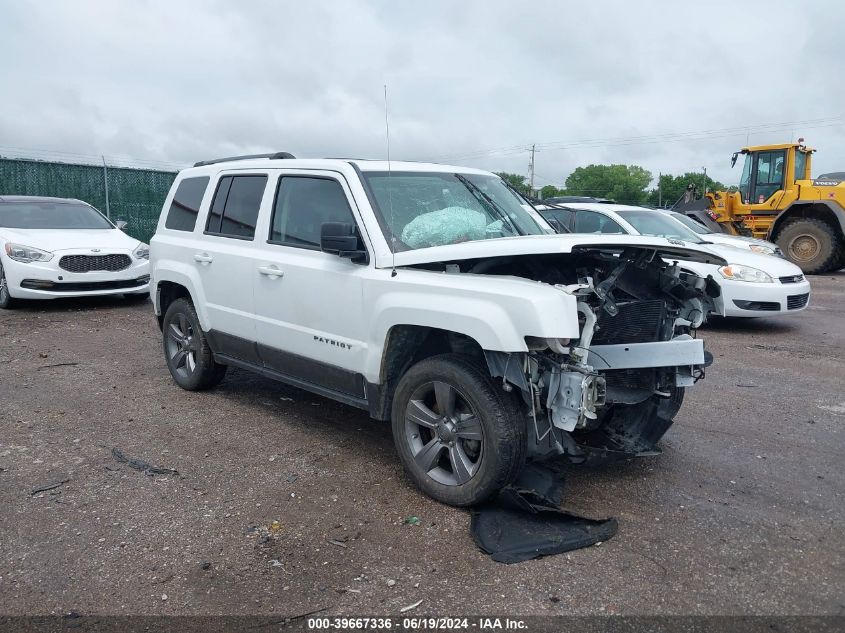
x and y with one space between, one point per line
833 121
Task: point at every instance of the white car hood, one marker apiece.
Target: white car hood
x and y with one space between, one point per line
549 244
739 240
774 266
65 239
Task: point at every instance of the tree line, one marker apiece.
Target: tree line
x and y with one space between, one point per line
625 184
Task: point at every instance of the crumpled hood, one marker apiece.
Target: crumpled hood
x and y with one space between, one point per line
550 244
64 239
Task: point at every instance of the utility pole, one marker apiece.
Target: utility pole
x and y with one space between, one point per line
704 188
531 171
659 196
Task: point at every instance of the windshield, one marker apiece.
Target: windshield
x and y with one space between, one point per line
659 225
424 209
51 215
691 224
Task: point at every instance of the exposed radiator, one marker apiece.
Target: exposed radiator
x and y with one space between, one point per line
636 322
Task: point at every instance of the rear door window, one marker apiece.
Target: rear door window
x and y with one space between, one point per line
182 215
234 210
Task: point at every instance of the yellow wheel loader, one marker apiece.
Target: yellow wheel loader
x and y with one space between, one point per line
778 200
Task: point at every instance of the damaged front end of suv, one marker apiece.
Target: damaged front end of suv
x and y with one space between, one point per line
613 392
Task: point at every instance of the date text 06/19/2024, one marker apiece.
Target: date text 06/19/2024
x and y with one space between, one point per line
416 623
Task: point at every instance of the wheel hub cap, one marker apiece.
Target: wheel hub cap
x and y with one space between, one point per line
804 247
446 431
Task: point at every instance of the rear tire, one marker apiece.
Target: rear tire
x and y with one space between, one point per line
186 351
460 437
811 244
6 301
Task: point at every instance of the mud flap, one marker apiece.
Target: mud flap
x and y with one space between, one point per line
525 521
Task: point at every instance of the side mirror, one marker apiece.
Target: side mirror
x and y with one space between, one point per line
121 224
343 239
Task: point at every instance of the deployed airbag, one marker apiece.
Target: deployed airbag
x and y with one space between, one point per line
446 226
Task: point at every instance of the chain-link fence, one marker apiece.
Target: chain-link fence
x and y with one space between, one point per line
134 195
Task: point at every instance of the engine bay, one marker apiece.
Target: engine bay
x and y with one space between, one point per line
613 392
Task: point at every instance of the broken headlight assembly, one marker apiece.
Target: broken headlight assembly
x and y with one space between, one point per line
737 272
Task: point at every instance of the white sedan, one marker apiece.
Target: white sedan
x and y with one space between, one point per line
57 247
739 241
752 284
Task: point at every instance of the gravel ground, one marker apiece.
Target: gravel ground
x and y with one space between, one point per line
742 514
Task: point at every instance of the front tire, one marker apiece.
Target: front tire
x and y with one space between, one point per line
186 351
6 300
459 436
812 245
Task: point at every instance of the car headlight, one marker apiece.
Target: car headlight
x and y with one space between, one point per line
737 272
759 248
142 252
27 254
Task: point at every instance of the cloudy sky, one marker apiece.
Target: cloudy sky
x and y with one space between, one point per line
672 86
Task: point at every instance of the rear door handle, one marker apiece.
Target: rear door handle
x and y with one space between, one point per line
203 258
271 271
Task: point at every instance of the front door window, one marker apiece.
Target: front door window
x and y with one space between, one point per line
768 175
745 180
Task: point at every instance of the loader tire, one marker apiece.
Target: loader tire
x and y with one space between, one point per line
813 245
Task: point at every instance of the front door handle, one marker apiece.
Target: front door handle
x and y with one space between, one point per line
203 258
271 271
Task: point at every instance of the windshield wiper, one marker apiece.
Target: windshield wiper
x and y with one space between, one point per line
533 202
483 197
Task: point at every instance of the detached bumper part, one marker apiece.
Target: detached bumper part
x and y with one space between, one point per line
526 522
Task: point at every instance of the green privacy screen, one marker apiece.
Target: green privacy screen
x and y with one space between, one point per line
135 195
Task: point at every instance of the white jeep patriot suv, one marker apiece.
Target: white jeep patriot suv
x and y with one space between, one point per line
434 297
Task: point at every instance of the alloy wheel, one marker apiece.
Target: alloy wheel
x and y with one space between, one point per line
182 346
444 433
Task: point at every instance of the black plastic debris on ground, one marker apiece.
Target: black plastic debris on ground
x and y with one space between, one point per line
139 464
46 487
526 522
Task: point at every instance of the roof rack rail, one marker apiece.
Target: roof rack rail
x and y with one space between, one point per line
275 155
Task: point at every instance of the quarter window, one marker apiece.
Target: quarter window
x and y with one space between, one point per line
234 210
303 204
591 222
182 215
800 164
